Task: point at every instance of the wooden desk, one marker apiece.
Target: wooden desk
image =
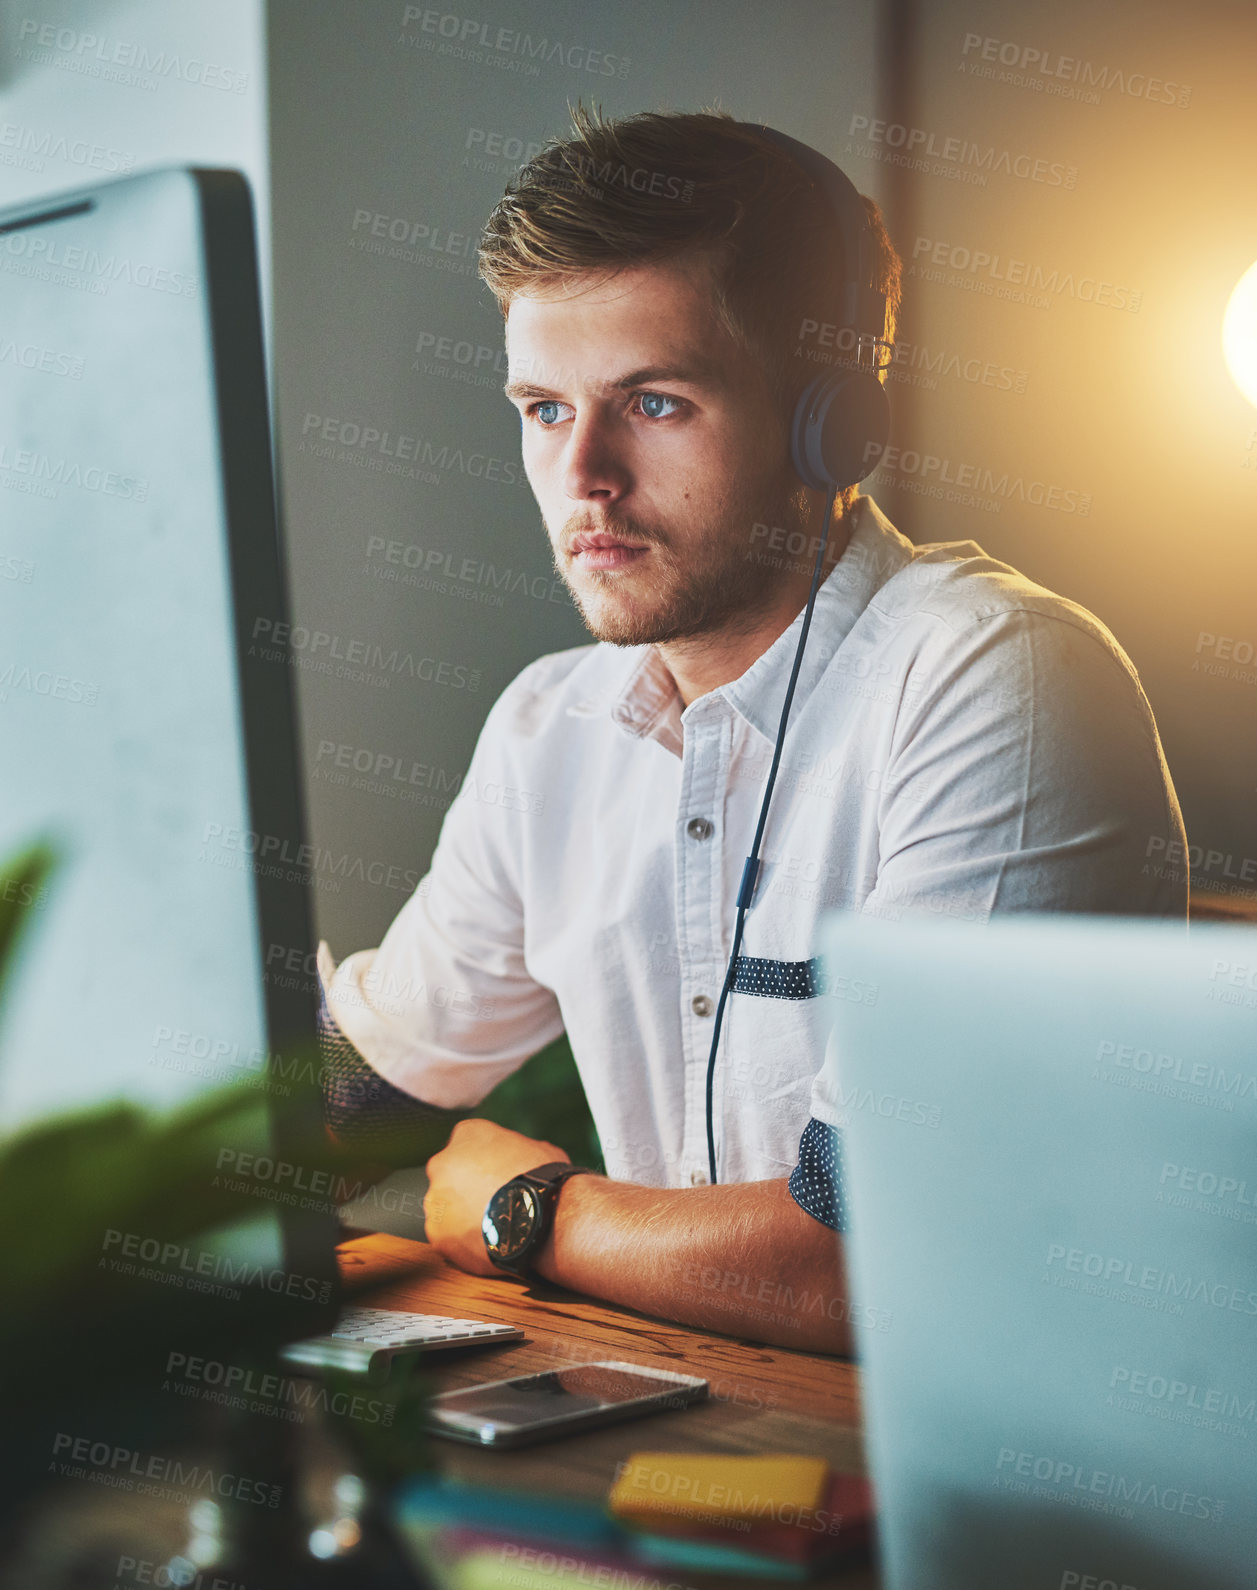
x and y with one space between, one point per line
762 1399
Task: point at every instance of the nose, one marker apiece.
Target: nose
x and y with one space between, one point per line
594 467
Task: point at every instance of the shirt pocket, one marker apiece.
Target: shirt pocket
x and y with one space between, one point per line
765 1076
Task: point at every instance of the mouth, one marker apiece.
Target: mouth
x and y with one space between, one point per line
599 551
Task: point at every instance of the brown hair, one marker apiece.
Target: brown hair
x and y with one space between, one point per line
663 186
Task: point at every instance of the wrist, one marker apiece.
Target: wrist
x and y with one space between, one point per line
552 1260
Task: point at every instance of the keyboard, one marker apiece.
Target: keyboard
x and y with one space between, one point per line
366 1340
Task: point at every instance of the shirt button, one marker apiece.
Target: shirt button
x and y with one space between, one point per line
698 828
698 1179
701 1005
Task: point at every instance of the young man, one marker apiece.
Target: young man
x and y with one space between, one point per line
961 741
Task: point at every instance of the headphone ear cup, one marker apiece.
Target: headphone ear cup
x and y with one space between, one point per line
840 427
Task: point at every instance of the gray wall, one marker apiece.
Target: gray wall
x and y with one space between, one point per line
367 122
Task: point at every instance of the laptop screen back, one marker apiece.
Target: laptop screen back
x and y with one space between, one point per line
1049 1127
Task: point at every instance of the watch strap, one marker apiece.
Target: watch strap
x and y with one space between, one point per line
554 1174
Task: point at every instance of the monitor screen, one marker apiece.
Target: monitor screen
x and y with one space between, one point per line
138 544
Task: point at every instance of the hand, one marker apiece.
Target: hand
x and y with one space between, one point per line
481 1156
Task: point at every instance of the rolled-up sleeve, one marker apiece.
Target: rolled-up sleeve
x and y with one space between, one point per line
445 1007
816 1182
361 1108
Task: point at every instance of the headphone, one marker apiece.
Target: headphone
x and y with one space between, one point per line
837 436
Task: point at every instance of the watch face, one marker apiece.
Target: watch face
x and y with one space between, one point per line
510 1220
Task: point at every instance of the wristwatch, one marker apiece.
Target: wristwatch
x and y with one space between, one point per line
518 1217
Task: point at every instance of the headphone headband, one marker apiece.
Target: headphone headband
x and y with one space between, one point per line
842 418
864 304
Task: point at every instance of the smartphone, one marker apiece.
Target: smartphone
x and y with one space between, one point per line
535 1407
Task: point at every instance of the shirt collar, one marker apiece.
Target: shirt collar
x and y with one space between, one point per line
642 696
875 551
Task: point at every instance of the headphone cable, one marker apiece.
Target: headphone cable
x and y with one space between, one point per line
751 868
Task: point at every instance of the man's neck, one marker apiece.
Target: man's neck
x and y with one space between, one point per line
705 662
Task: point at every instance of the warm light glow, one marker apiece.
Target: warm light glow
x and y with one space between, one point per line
1239 334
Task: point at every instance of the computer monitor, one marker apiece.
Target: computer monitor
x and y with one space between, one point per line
141 730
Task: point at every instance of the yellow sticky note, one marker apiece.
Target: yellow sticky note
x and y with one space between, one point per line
707 1488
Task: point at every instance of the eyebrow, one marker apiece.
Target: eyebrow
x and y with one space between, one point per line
698 372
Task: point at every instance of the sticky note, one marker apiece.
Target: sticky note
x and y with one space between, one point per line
706 1487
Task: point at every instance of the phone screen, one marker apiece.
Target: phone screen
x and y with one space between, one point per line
557 1394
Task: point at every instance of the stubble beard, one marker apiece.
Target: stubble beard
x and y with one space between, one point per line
717 587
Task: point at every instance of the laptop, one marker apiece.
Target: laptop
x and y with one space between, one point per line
1049 1130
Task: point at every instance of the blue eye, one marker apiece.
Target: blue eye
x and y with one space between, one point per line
546 410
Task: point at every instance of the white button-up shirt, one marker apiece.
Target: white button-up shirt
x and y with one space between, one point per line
962 741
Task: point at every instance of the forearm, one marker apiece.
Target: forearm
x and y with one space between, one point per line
743 1259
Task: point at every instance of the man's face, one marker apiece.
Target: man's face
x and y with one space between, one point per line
652 448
